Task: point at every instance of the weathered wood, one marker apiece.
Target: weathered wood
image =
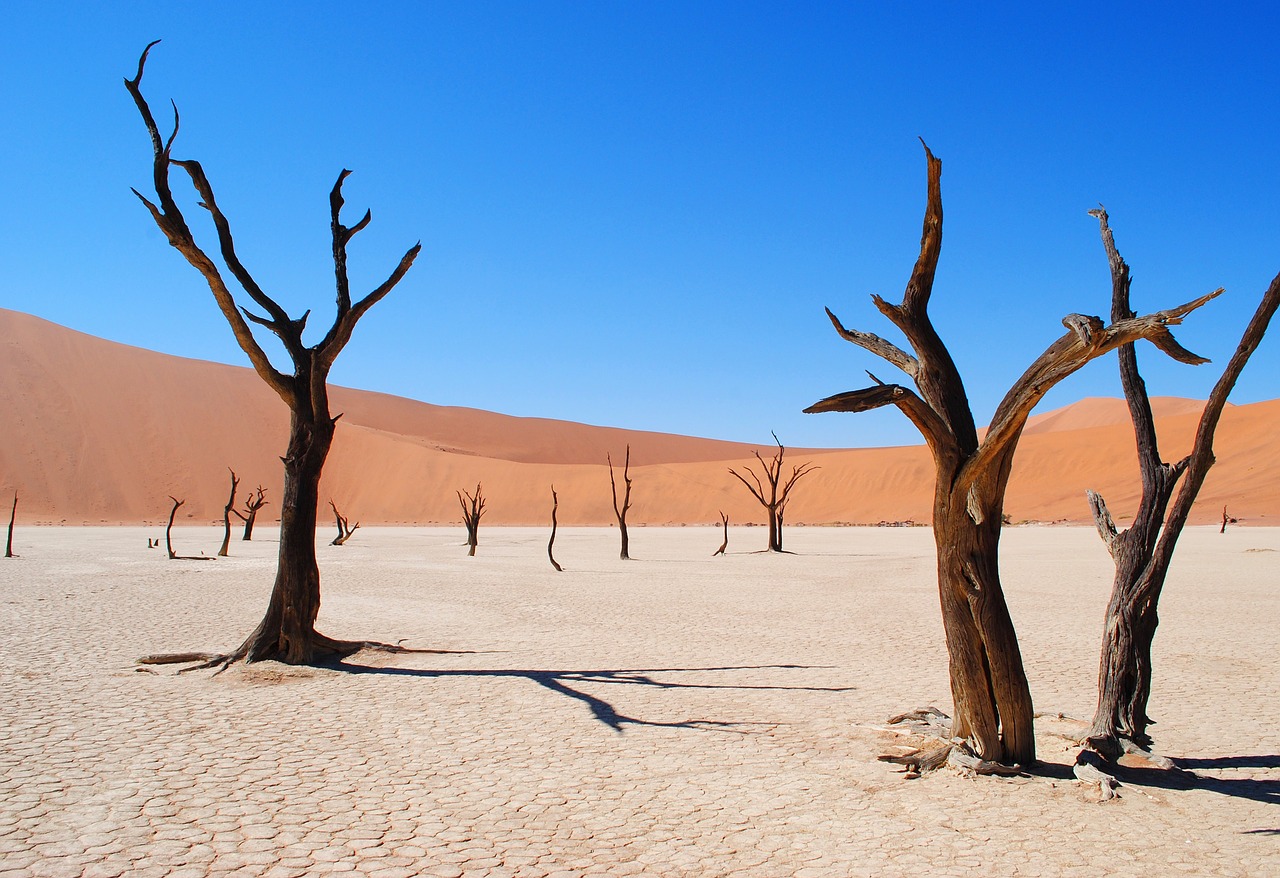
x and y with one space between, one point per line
13 515
345 529
287 630
724 521
226 516
555 504
472 509
1142 552
778 495
168 536
993 706
252 504
620 511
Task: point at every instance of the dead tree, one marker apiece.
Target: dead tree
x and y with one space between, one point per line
345 530
621 511
168 536
993 710
13 514
1142 552
226 515
472 508
251 506
724 520
287 630
1226 520
774 500
555 504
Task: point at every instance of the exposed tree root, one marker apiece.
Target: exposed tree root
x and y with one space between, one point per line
324 649
939 748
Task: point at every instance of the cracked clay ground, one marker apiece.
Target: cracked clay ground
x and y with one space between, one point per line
676 715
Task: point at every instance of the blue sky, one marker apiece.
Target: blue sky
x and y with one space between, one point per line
633 214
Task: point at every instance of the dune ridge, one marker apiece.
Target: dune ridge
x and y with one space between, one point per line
100 432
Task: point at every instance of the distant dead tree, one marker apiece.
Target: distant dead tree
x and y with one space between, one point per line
1142 553
344 529
13 514
472 508
168 536
774 500
621 511
724 520
993 710
287 631
226 515
1226 520
555 504
252 504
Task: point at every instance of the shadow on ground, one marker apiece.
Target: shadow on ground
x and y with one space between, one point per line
568 683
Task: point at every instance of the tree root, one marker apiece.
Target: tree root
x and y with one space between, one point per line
940 750
323 649
1088 769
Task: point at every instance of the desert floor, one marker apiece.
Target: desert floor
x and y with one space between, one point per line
673 715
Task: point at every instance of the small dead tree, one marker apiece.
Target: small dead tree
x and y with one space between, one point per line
724 521
621 511
993 709
344 529
226 515
1142 553
472 508
252 504
13 514
168 536
1226 520
287 630
555 504
774 500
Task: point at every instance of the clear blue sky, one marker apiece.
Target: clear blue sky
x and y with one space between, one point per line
633 214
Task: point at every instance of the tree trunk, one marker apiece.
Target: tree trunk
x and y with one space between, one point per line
226 517
1142 553
287 632
992 697
13 514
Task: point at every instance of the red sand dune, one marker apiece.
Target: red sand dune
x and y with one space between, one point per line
99 432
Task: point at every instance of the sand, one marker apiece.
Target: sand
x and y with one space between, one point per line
673 715
102 433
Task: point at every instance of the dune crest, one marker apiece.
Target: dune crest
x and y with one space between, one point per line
100 432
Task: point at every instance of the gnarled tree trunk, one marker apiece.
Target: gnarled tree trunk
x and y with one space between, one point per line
226 517
620 512
1142 552
993 708
287 631
472 509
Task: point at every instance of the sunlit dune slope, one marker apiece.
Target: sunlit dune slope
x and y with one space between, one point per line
96 431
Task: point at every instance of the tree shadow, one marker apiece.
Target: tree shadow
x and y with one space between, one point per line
1183 778
558 681
1271 761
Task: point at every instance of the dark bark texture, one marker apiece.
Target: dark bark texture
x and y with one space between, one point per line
345 528
993 708
620 510
13 515
1143 551
472 508
555 504
252 504
287 630
775 497
724 522
224 551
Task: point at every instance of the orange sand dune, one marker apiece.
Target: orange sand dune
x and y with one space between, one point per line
97 431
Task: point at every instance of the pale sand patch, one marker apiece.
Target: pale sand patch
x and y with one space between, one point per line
673 715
